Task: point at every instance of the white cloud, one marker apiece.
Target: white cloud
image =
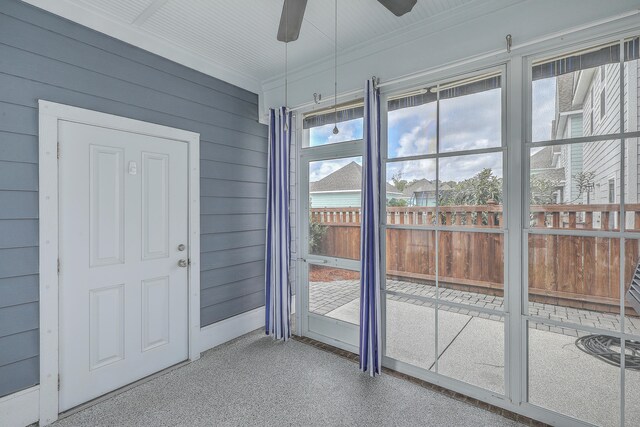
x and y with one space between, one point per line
322 168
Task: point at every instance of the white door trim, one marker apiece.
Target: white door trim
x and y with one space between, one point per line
50 114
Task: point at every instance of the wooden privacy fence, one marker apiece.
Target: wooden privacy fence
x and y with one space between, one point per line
577 271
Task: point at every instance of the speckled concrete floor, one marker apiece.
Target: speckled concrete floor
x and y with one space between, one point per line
255 381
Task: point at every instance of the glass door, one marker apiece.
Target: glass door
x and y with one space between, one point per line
330 199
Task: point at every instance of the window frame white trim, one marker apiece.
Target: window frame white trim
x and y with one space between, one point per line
50 114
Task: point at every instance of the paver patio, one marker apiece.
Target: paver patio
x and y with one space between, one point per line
325 297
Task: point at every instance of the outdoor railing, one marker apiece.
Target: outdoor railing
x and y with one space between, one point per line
579 271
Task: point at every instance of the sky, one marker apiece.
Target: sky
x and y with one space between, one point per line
466 123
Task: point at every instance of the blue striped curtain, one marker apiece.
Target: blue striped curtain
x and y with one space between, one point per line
370 339
278 238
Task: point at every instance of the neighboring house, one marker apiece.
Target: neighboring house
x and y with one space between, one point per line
423 192
342 188
587 104
546 164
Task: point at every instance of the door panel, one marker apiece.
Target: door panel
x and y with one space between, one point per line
106 212
123 297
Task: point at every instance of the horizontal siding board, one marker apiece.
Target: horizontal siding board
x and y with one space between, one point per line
226 188
29 14
35 69
218 312
232 155
18 148
18 290
230 205
18 233
18 176
219 294
49 45
17 118
221 276
19 347
221 170
229 223
18 262
18 318
223 241
18 204
19 375
210 260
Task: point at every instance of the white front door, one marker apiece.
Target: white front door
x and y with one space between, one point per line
123 232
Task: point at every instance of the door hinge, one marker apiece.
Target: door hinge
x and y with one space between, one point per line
58 382
58 150
58 265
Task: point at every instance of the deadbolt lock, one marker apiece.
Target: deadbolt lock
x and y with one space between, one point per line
181 247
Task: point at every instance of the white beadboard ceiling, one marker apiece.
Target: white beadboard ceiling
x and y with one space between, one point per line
236 39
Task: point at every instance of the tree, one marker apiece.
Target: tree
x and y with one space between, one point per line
397 202
477 190
398 182
542 190
585 183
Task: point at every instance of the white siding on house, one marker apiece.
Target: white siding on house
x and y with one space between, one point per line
335 200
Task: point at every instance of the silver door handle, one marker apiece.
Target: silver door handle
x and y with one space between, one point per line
314 260
182 263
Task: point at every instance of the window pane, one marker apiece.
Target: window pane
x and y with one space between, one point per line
632 384
411 192
632 287
471 121
471 268
575 280
471 349
334 292
470 193
576 186
411 261
632 85
570 100
334 207
565 379
632 181
412 129
411 331
349 130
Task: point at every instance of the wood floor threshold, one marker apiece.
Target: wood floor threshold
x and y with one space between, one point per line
425 384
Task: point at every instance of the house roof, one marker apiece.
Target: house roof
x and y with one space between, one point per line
423 185
543 164
544 158
347 178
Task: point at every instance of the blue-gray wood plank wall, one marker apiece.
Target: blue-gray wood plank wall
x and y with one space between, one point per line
43 56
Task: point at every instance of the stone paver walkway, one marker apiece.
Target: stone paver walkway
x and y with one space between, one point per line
327 296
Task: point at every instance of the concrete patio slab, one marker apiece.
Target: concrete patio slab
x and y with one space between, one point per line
565 379
476 355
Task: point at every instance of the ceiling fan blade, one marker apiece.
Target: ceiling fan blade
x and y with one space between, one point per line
398 7
291 20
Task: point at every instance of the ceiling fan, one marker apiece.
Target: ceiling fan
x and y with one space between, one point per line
293 13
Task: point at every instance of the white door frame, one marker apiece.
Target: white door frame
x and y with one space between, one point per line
50 115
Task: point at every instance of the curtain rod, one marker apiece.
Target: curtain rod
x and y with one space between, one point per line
472 59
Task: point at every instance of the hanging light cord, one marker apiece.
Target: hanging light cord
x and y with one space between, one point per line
335 71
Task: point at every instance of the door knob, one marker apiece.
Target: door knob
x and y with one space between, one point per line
182 263
181 247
